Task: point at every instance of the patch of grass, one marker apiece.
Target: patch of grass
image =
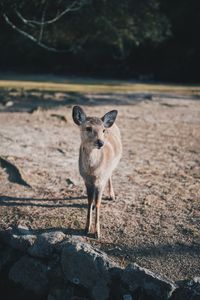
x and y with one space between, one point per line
88 85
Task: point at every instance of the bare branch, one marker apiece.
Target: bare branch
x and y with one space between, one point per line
73 7
42 26
30 37
24 20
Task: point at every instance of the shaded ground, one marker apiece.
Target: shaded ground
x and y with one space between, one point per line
155 219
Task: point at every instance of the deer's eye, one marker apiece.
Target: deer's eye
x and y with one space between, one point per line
104 130
89 129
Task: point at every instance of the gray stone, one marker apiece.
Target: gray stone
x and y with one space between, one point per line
195 285
100 291
74 238
55 273
127 297
31 274
12 237
154 285
22 229
7 256
45 243
188 290
82 264
22 242
184 293
60 294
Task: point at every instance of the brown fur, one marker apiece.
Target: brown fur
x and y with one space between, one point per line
96 165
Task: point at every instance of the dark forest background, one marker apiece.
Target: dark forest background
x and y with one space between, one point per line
137 39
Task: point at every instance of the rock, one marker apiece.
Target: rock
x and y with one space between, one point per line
55 273
59 247
188 290
184 294
72 259
15 239
22 229
154 285
100 291
117 289
7 256
127 297
9 103
31 274
59 294
195 285
45 243
84 265
22 242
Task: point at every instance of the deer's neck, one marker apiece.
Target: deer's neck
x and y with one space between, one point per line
91 157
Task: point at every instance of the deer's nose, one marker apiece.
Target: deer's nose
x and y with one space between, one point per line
100 143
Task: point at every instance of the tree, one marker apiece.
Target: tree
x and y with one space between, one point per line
73 24
32 19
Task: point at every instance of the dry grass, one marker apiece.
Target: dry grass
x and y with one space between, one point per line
88 85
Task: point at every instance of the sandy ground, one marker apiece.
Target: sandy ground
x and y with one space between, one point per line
155 219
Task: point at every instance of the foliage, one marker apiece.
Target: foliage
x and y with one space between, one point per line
101 34
120 24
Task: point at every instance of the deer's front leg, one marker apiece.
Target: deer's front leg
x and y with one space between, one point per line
91 196
111 190
98 196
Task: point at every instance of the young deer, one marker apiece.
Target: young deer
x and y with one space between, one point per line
100 152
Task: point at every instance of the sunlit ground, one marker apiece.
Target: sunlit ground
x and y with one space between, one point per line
88 85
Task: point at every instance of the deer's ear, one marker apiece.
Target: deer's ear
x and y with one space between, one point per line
109 118
78 115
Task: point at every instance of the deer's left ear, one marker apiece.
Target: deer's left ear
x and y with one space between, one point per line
109 118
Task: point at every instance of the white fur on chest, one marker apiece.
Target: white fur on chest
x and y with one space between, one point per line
91 160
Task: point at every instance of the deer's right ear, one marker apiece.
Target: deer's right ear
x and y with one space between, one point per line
78 115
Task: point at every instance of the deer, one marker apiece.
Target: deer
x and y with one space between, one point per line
99 154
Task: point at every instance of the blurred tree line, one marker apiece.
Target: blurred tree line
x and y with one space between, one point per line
139 39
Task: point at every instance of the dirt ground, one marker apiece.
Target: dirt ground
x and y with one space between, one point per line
155 219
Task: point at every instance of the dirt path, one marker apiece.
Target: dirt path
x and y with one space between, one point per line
155 219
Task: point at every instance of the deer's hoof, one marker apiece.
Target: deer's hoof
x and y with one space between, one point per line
87 230
96 235
110 198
